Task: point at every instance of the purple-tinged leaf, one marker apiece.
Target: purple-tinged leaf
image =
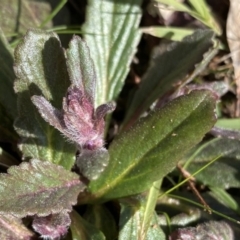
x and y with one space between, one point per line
38 187
212 230
12 228
91 163
78 120
48 112
52 226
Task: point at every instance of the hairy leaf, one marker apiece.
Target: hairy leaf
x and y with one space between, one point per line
52 226
92 163
151 149
38 187
12 228
111 32
41 72
166 69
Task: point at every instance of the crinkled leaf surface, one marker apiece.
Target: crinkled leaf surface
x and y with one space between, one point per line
222 173
38 187
12 228
81 229
151 149
41 70
53 226
111 32
167 68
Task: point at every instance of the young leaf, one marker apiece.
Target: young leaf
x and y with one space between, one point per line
111 32
41 72
52 226
151 149
38 187
168 68
12 228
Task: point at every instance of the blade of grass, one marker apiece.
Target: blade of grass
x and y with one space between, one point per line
53 13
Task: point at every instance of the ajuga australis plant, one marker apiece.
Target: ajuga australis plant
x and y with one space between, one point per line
67 174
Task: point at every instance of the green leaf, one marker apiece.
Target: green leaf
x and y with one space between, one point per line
222 173
12 228
111 32
230 124
102 219
168 68
38 187
225 198
131 218
171 33
151 149
199 11
41 72
81 229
